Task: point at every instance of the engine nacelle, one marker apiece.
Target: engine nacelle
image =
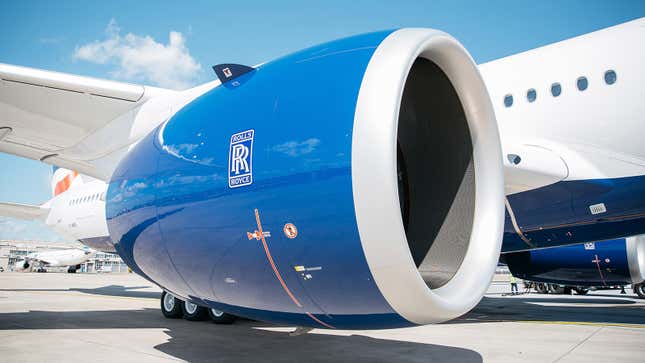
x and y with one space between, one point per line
355 184
607 263
21 265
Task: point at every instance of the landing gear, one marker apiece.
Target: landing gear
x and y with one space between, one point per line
541 288
555 289
581 291
71 270
639 289
171 306
193 312
220 317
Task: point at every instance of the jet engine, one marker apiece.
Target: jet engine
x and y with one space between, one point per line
354 184
607 263
22 265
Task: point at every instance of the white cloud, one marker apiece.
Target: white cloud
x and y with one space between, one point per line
297 148
142 58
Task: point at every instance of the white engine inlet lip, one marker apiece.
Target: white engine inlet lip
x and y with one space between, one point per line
635 247
375 186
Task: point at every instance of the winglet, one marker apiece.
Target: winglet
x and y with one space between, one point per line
229 71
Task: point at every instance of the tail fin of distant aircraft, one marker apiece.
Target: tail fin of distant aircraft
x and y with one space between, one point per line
63 180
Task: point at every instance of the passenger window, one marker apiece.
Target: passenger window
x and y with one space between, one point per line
556 89
610 77
582 83
508 100
531 95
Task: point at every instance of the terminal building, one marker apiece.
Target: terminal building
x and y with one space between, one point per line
12 251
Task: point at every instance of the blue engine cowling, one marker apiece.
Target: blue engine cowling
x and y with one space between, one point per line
606 263
334 188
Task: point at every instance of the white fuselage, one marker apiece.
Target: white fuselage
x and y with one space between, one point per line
588 134
79 213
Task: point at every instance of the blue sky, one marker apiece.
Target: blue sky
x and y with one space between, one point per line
139 41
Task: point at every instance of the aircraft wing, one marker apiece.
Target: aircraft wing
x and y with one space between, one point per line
79 123
42 261
23 211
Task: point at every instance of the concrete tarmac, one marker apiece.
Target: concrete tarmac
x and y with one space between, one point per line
116 318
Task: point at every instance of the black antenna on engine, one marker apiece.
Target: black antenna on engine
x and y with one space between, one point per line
229 71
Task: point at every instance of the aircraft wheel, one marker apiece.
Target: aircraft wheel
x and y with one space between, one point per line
639 289
71 270
171 306
220 317
581 291
555 289
541 288
193 312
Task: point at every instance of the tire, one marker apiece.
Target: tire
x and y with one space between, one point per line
71 270
555 289
581 291
193 312
171 307
541 288
220 317
639 289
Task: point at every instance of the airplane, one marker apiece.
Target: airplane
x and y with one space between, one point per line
602 264
71 258
405 168
76 209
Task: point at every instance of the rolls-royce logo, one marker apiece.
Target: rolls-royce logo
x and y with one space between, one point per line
240 159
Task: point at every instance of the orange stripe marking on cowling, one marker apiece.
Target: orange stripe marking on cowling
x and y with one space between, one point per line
273 266
319 321
277 273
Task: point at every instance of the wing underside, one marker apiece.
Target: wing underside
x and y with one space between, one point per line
23 211
75 122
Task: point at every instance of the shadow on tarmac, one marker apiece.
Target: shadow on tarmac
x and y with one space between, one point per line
204 341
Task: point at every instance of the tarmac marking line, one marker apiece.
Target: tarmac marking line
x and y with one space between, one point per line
579 344
618 325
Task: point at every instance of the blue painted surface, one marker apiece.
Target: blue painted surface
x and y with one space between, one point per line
174 217
559 214
176 220
604 264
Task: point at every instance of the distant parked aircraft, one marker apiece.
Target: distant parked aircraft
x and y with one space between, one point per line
71 258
